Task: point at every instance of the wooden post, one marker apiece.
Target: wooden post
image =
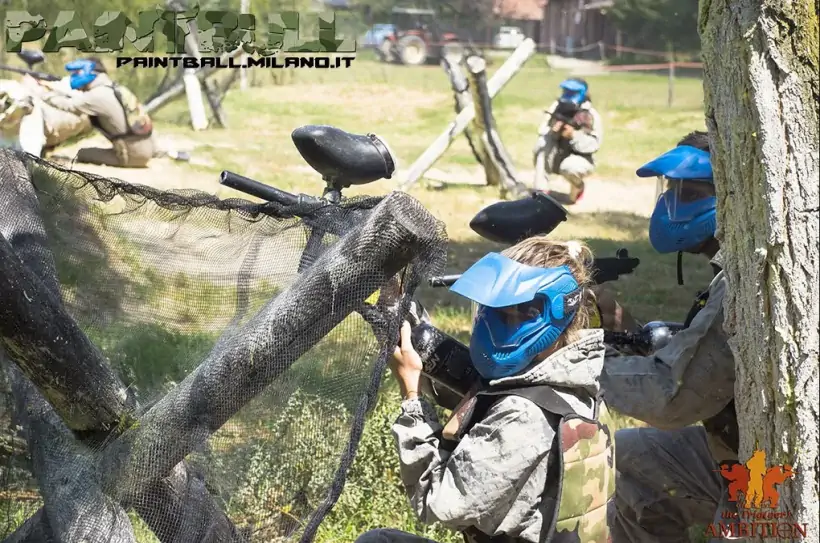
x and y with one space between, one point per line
602 50
476 68
463 100
618 43
540 180
499 79
178 88
671 94
498 164
196 107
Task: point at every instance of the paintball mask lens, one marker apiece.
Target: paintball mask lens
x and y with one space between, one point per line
686 199
660 187
474 310
510 326
570 96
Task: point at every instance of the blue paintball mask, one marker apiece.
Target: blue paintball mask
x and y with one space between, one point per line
685 214
82 73
522 310
574 92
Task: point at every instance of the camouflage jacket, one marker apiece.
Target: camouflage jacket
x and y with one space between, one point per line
104 106
15 104
502 479
692 379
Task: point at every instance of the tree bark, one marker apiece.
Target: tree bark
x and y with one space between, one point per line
761 93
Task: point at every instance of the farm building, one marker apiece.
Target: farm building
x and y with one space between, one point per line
561 24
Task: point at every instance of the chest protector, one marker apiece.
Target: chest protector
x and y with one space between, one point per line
138 123
582 458
723 425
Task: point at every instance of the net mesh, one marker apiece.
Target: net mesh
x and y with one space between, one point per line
171 372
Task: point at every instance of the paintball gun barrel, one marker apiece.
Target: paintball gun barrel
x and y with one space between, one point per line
31 57
604 269
36 75
261 190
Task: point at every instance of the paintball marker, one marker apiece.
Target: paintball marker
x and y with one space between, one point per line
651 337
513 221
31 57
565 114
343 159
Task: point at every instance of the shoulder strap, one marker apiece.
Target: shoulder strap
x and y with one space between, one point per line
700 300
542 395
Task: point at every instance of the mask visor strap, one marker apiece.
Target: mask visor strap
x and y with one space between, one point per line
680 267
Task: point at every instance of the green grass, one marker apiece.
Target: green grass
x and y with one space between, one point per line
409 107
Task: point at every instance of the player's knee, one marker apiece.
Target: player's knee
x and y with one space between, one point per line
575 167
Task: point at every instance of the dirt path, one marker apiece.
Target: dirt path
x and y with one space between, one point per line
599 195
164 173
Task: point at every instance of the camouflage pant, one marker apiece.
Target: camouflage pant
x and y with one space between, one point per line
574 169
667 482
134 154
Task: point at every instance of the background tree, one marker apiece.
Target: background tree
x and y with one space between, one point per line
761 94
658 24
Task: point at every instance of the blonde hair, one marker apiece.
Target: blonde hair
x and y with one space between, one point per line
542 252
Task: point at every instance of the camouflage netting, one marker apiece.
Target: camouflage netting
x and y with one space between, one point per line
168 372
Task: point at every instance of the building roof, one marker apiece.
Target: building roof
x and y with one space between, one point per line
522 10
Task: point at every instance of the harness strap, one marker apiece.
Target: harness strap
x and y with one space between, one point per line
542 396
128 128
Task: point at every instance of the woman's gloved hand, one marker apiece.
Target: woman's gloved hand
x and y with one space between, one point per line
612 314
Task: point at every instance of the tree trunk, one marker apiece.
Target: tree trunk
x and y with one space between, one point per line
761 94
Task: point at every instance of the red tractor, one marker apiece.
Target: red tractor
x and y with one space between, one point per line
417 38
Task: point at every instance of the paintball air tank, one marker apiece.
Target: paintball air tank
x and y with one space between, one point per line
445 360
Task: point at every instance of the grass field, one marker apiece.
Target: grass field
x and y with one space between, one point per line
409 107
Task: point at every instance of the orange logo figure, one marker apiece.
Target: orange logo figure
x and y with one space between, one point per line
776 475
757 469
755 482
738 478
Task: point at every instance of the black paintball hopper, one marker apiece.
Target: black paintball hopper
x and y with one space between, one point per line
510 222
343 158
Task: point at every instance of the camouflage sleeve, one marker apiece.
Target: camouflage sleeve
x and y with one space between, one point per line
690 379
78 103
478 483
588 140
